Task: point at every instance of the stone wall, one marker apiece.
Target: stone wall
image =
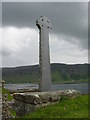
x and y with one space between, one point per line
6 115
29 102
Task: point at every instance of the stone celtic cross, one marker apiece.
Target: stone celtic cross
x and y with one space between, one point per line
44 26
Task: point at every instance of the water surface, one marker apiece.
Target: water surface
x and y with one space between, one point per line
83 88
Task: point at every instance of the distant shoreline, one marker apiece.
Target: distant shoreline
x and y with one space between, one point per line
52 83
83 87
72 83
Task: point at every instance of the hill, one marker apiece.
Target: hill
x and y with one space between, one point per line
60 73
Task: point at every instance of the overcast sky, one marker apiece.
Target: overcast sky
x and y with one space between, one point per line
68 38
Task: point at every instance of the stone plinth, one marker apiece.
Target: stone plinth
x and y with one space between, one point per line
29 102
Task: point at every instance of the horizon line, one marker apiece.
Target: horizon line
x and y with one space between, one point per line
38 64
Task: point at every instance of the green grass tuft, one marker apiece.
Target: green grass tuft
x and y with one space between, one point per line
13 112
66 108
5 91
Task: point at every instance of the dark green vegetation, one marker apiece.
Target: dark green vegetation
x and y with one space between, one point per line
60 73
66 108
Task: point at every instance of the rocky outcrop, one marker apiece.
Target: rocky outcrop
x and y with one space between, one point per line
29 102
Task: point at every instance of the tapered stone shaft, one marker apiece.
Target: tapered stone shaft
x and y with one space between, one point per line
44 26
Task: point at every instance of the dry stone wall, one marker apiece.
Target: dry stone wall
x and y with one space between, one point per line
5 108
29 102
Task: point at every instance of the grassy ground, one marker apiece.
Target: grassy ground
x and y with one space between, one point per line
5 91
0 89
66 108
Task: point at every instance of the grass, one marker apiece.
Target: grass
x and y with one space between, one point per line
0 89
66 108
13 113
5 91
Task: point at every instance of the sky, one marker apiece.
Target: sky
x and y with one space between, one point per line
20 36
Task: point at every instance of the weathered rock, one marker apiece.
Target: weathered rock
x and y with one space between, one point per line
24 90
5 108
28 102
0 106
49 97
22 108
31 98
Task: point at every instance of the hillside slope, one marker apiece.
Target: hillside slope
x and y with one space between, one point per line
60 73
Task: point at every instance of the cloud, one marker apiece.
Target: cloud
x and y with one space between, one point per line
45 0
0 14
14 39
68 38
69 19
21 47
5 53
0 40
66 52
